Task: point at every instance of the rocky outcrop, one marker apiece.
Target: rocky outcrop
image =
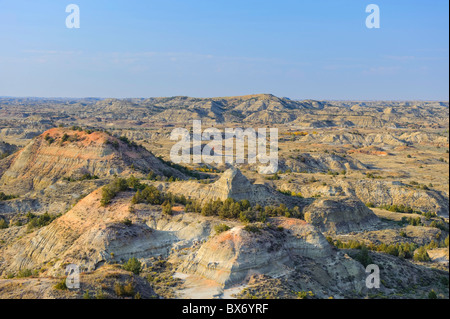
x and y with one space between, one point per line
90 235
393 193
313 163
337 216
387 140
232 184
82 236
60 153
238 254
376 192
107 277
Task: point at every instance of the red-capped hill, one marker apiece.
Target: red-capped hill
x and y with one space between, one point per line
66 153
82 138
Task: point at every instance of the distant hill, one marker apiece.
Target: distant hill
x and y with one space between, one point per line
254 109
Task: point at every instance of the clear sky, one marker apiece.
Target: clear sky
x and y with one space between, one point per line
308 49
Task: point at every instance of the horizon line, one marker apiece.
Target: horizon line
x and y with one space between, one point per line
223 97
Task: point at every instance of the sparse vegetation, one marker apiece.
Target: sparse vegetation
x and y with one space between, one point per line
400 209
4 197
421 254
221 228
167 208
127 222
84 177
3 224
373 176
126 290
151 195
293 194
305 295
182 169
61 285
133 265
49 139
432 295
24 273
252 229
100 294
35 221
160 276
119 185
363 257
87 295
404 250
242 210
112 189
273 177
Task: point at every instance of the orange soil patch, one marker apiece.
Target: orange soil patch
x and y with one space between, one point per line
285 222
227 236
82 137
231 237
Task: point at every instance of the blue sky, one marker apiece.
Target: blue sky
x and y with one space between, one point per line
203 48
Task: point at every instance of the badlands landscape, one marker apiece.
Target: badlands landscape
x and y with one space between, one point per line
90 182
